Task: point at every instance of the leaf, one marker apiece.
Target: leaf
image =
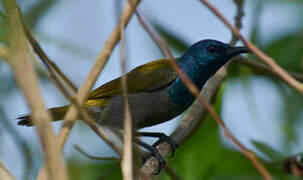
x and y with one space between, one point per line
79 170
268 151
288 51
172 39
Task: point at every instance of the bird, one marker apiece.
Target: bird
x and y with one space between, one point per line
155 91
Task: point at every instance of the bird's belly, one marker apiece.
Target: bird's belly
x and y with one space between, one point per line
147 109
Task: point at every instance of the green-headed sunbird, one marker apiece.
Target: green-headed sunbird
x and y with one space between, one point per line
156 93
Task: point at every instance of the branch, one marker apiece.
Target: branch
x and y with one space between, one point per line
261 55
52 67
28 82
80 150
127 160
258 66
4 173
238 18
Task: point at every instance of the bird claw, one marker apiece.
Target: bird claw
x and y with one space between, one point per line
170 141
153 149
155 153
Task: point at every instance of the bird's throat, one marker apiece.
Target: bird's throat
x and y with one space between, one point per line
178 91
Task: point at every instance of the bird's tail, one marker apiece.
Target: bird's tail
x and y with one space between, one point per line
57 113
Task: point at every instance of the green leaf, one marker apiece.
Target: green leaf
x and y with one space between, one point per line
177 43
79 170
288 51
268 151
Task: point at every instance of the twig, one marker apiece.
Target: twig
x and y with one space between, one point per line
195 91
52 67
80 150
268 60
4 173
238 18
258 66
17 54
127 161
99 64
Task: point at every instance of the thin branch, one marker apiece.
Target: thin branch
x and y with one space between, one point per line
127 161
4 173
258 66
18 54
238 20
52 67
80 150
261 55
195 91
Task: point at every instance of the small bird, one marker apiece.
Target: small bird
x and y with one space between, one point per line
156 93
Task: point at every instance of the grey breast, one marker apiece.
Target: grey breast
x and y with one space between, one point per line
147 109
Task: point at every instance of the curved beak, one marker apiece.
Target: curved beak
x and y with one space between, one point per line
238 50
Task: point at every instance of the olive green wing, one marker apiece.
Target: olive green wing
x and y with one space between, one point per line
148 77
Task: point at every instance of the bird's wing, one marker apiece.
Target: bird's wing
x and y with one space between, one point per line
148 77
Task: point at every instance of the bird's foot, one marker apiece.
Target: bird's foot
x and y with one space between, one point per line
155 153
162 137
153 149
169 140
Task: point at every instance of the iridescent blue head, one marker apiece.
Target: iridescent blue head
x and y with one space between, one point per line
200 62
210 55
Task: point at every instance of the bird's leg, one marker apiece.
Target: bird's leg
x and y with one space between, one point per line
153 152
162 137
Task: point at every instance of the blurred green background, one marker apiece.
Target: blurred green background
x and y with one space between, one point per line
261 111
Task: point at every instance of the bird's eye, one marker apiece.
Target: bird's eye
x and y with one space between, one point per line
212 49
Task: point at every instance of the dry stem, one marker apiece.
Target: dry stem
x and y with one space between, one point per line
266 59
4 173
127 160
18 54
258 66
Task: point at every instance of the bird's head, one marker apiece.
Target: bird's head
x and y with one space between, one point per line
213 54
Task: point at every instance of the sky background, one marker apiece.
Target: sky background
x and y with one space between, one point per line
73 32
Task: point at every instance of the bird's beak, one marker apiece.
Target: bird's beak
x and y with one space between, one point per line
238 50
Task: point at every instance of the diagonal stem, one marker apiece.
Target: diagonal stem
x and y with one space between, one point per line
261 55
